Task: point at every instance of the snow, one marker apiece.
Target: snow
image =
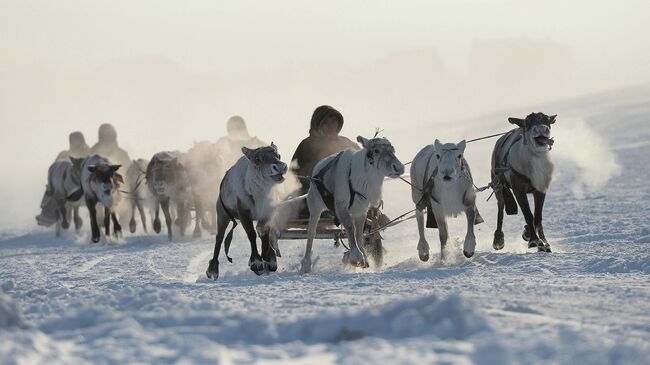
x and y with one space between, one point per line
144 300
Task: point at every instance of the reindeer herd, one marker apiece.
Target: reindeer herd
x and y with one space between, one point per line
346 184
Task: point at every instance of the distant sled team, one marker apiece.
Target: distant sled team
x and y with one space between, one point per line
235 180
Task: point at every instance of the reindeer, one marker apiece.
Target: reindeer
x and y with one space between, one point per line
169 183
64 185
205 170
442 183
137 190
348 184
245 195
521 162
100 183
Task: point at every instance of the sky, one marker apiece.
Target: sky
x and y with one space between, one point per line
167 73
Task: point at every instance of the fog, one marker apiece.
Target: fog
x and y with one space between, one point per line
167 74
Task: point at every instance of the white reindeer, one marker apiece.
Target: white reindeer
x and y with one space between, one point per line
139 195
442 183
64 184
100 182
348 184
245 195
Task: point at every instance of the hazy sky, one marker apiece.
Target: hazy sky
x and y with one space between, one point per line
168 73
226 35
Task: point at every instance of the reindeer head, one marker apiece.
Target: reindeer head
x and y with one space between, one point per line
266 161
450 160
381 154
166 176
105 182
536 130
76 169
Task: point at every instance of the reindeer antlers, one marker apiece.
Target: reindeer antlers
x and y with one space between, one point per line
377 131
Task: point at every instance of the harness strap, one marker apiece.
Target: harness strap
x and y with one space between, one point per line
326 195
352 191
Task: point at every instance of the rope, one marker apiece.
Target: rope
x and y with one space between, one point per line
472 140
486 137
379 229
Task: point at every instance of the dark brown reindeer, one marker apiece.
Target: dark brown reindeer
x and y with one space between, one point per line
245 195
170 187
521 165
100 183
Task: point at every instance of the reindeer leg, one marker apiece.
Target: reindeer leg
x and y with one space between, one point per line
117 228
268 253
222 224
316 206
107 222
499 238
255 262
423 245
355 255
168 218
182 217
198 218
78 222
156 220
68 213
539 206
522 200
143 217
359 222
63 214
441 221
132 224
470 239
213 220
94 227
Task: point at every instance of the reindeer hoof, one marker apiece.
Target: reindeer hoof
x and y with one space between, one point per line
156 226
95 239
499 240
525 235
132 225
213 270
535 243
468 254
256 265
271 266
544 248
65 225
305 265
424 256
360 263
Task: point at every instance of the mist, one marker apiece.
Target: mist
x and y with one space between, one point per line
167 76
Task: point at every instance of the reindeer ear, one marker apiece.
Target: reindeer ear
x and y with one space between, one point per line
437 145
115 167
92 168
551 119
518 121
248 153
363 141
119 178
275 148
461 146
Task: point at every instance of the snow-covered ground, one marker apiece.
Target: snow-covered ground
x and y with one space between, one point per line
144 300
